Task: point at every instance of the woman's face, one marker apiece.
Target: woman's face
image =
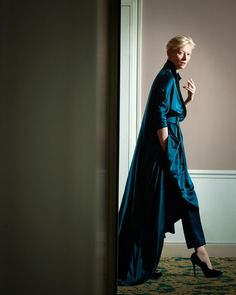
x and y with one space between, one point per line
180 56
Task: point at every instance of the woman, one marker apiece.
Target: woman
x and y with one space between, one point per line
159 190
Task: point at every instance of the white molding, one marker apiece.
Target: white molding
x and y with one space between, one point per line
135 7
139 63
131 105
213 174
132 121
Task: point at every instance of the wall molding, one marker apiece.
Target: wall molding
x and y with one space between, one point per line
130 85
134 90
229 174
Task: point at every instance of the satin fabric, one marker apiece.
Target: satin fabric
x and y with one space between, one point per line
158 183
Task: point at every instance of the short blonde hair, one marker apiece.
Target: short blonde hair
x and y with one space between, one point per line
179 42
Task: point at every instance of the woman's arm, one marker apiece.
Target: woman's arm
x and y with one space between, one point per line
191 88
163 136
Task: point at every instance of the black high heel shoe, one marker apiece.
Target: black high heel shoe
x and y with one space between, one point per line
210 273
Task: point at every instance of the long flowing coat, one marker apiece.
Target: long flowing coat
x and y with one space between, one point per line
158 183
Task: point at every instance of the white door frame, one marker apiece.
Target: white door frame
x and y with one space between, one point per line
133 92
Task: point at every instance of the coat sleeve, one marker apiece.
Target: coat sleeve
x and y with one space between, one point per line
163 101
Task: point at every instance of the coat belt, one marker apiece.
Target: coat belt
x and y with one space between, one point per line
173 119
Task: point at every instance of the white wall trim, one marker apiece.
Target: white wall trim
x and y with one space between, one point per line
139 64
130 91
228 174
135 7
134 73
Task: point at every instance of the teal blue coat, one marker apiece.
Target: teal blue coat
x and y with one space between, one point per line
158 183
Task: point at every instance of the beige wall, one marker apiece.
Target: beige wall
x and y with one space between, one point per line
209 130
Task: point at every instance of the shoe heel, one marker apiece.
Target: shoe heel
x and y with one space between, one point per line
210 273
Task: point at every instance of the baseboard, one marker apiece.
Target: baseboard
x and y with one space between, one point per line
214 250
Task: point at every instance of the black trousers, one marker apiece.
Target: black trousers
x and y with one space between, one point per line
192 227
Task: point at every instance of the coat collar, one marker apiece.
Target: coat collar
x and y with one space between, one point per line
169 65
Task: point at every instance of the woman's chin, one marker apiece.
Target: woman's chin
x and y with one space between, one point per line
181 67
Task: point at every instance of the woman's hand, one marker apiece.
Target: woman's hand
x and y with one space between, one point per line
191 88
163 136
